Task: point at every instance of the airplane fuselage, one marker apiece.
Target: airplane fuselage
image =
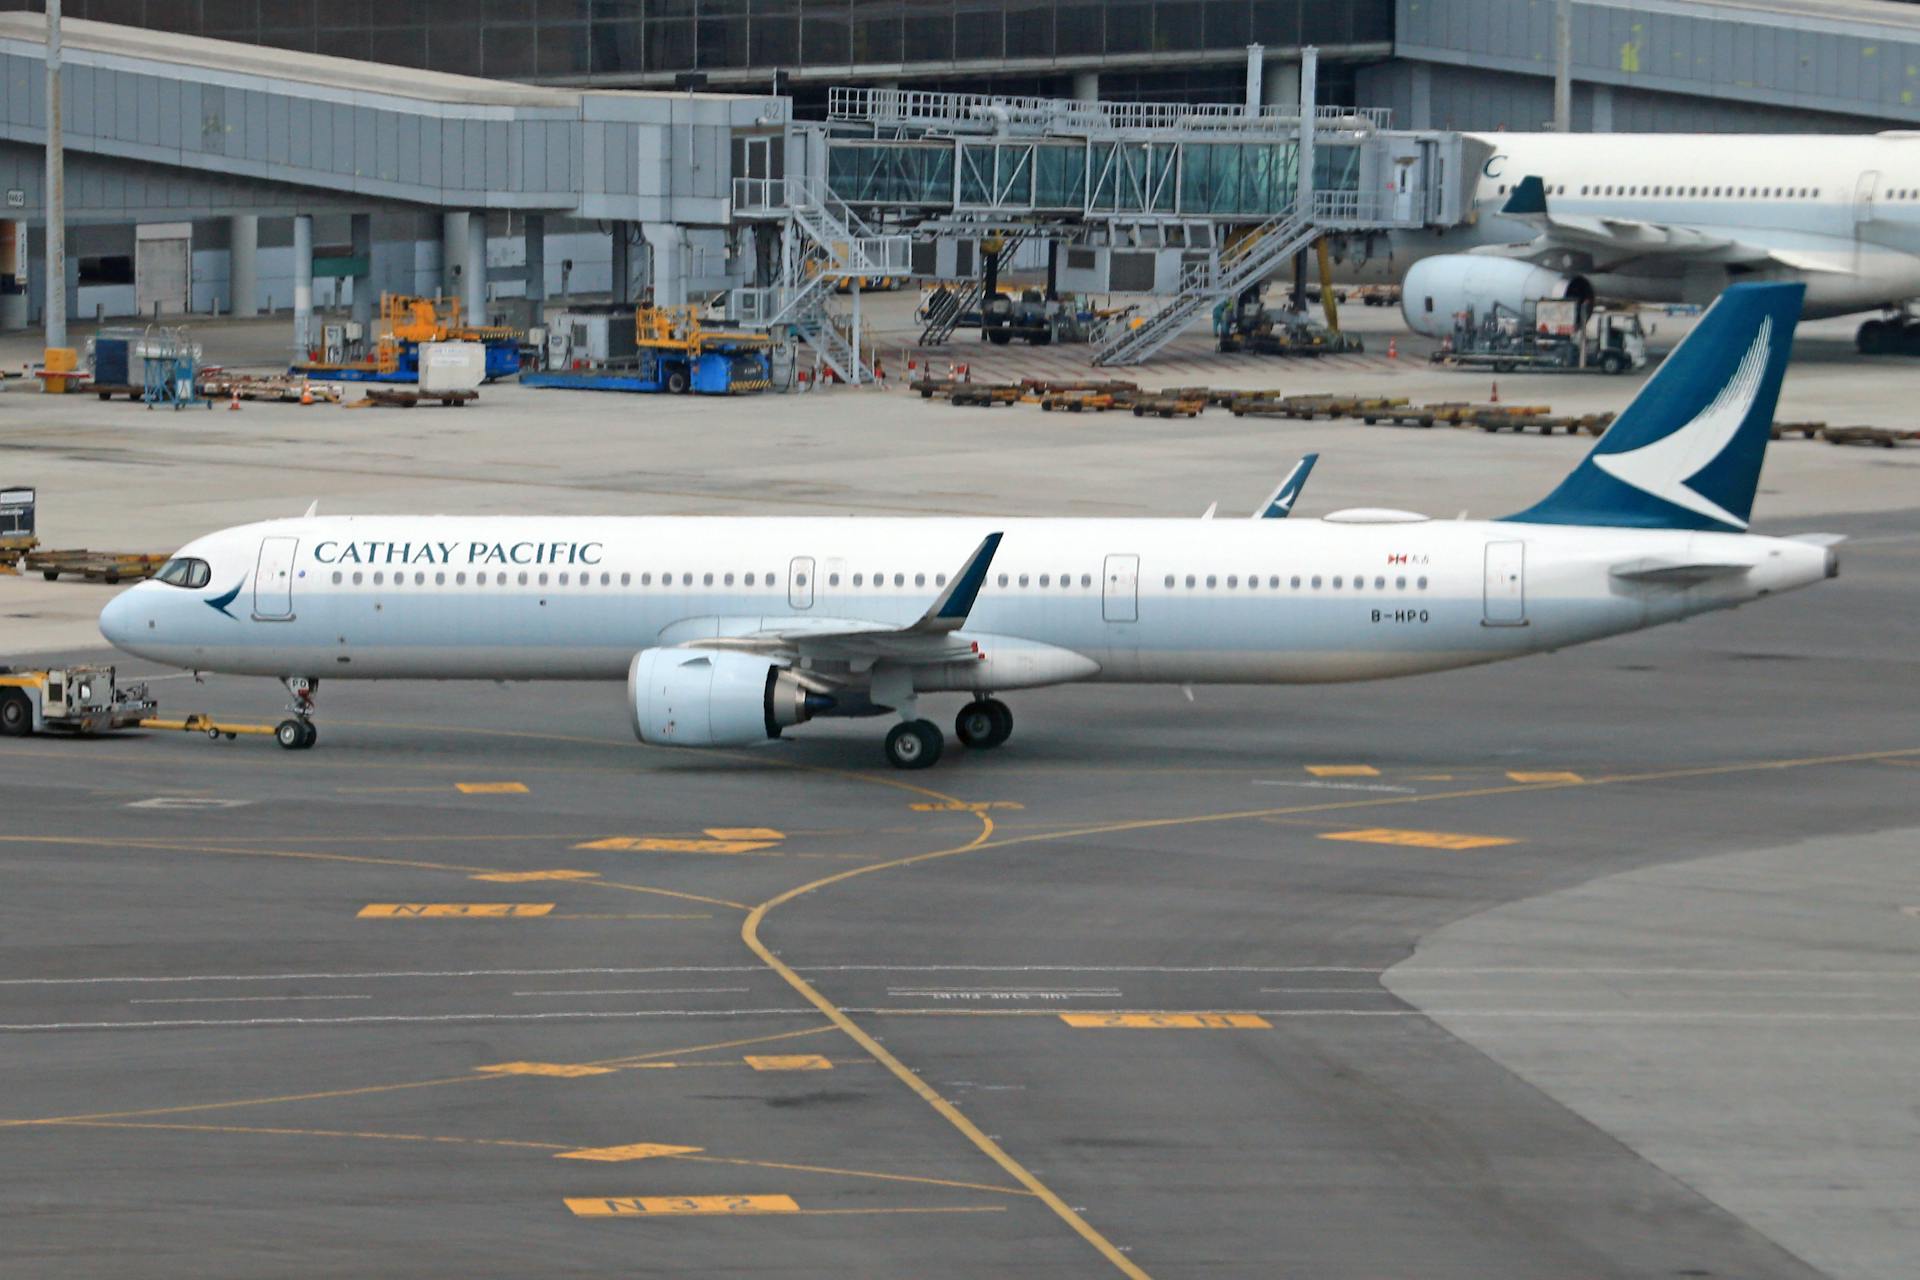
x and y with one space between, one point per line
1188 601
1844 211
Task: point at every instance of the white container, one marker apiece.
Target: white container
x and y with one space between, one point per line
452 366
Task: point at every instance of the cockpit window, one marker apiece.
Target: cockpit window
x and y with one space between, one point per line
184 571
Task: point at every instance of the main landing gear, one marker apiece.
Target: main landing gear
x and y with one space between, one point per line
917 744
298 732
1893 335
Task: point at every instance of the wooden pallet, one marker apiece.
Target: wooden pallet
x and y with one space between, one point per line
94 566
1805 430
393 398
276 388
1885 437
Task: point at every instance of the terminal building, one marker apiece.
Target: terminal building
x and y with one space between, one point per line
540 149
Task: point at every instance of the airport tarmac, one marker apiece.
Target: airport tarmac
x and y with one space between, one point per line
1598 964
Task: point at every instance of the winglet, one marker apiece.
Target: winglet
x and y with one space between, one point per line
949 612
1279 505
1529 198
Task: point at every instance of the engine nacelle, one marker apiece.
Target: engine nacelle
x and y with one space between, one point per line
714 698
1438 288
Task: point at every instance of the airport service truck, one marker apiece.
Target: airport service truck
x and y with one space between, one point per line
75 699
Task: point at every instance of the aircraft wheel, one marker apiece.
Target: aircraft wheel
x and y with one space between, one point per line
914 744
1874 338
312 734
975 724
291 734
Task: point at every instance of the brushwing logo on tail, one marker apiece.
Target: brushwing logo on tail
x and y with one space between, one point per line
1664 467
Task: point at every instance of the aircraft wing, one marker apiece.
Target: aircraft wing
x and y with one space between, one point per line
1615 243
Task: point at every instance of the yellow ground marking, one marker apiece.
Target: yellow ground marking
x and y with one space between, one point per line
236 851
621 1063
281 1131
452 910
750 934
1343 771
491 788
521 877
1431 777
633 1151
631 915
745 833
636 1206
963 806
674 844
789 1062
1559 776
858 1173
1167 1021
565 1070
1417 839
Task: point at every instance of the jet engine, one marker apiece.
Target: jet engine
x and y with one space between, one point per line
715 698
1438 288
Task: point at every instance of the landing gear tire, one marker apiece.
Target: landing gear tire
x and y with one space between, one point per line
983 724
312 735
291 734
1877 338
914 744
16 717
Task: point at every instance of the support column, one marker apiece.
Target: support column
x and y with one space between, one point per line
453 250
1256 71
303 284
1309 77
363 277
56 198
853 330
536 257
1086 86
13 295
669 244
473 269
1563 66
622 286
243 265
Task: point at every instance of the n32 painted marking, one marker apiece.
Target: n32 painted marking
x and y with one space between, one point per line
452 910
667 1206
1168 1021
1418 839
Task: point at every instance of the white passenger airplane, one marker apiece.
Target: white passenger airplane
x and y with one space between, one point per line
731 630
1662 218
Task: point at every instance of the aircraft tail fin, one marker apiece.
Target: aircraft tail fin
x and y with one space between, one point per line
1686 453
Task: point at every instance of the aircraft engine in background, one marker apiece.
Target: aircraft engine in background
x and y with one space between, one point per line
1439 287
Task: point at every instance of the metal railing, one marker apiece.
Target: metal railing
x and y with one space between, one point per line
978 112
850 246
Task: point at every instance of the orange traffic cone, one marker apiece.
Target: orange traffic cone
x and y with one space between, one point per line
306 393
1496 394
1393 349
233 405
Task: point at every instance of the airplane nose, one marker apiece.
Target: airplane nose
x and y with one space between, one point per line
117 620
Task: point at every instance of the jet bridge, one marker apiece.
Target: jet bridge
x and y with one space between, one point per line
1192 202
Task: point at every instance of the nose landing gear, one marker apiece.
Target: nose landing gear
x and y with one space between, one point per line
298 732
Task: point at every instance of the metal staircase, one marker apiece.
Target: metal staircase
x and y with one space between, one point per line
945 310
833 244
1249 260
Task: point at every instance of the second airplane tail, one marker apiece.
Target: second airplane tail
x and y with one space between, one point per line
1686 453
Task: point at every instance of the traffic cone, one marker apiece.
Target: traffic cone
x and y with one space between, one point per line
233 405
1393 349
306 393
1496 394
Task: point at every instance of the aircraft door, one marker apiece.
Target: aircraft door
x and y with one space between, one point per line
800 583
1863 195
1120 600
1506 591
273 580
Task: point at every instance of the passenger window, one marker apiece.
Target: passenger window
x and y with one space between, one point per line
646 579
706 579
356 577
606 579
1400 584
1273 581
1046 580
501 578
1233 580
1023 579
749 580
939 579
563 579
336 577
1003 579
1189 582
379 578
523 577
727 581
899 579
626 579
919 579
1086 579
1316 582
440 578
773 581
833 580
1379 584
1337 582
543 579
1423 584
460 579
1212 582
859 579
1169 580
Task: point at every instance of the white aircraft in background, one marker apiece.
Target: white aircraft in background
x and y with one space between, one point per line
730 630
1673 218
